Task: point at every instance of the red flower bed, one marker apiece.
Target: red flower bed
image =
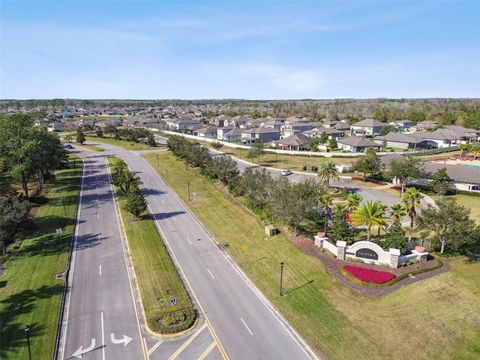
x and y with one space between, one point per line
369 275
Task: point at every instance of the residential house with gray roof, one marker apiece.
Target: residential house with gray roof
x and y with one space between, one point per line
367 127
357 144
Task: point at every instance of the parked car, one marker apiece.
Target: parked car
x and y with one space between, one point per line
286 172
68 146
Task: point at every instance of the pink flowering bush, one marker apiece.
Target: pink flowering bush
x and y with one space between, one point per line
369 275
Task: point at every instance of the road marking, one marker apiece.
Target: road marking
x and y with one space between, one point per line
72 261
186 343
103 336
100 270
98 216
81 351
211 274
125 340
207 351
155 347
188 239
244 323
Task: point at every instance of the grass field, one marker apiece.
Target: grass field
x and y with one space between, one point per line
470 202
31 295
129 145
435 318
157 276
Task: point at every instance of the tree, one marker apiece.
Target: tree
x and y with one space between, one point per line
395 238
441 181
216 145
99 132
293 202
332 143
449 225
31 152
122 177
371 213
411 199
15 216
256 150
151 140
398 211
353 201
135 203
387 129
341 228
323 137
80 136
368 164
325 202
327 171
405 169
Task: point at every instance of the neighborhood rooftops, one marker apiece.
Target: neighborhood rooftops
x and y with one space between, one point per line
295 140
458 173
369 123
357 142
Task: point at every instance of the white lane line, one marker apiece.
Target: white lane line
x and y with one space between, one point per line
103 336
211 274
188 239
186 343
98 216
207 351
155 347
244 323
100 270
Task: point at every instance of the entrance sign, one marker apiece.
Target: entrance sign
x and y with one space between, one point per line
366 253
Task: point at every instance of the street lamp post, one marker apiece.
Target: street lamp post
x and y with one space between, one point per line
188 186
282 264
27 334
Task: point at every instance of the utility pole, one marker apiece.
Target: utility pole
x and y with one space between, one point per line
188 186
158 160
27 334
282 264
64 209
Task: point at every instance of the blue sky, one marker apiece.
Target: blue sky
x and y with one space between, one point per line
239 49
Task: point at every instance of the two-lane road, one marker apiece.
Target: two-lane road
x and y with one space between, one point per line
100 319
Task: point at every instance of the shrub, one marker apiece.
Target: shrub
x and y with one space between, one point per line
304 168
315 168
369 275
171 322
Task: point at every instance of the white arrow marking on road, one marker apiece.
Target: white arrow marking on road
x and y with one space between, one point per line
126 339
80 351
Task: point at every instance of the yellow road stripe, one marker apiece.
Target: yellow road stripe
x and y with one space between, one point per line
186 343
207 351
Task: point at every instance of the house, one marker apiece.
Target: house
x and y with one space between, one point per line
183 124
367 127
399 140
402 125
342 125
222 131
464 135
426 125
263 134
357 144
237 121
220 121
466 178
56 126
439 138
209 132
233 135
329 123
295 142
274 123
290 129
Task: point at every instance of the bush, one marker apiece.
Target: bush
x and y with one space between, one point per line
171 322
304 168
314 168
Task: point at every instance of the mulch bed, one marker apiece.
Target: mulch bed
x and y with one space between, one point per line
334 265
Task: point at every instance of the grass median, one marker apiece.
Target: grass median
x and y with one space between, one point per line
157 276
29 292
433 318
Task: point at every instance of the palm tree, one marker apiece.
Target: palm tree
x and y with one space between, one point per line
371 213
412 198
325 203
398 211
353 201
327 171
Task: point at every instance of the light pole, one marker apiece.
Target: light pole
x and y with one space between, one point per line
282 264
64 209
188 186
27 334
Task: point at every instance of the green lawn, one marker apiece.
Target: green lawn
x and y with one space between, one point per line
470 202
157 276
92 147
435 318
31 295
129 145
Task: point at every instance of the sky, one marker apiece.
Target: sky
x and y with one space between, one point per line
239 49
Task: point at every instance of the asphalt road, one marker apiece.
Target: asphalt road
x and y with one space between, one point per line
100 320
244 323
